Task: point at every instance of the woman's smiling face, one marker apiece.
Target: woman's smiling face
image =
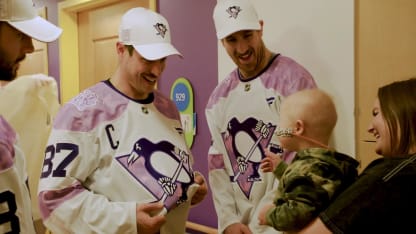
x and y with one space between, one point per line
380 130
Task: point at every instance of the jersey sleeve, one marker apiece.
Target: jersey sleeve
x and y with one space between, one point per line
35 96
65 203
15 208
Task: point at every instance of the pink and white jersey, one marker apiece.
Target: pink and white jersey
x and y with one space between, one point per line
242 117
34 104
15 206
105 154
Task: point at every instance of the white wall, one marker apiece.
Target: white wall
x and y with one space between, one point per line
319 34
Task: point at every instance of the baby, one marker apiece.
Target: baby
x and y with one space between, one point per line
317 173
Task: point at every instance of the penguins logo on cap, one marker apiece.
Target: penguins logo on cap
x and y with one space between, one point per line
234 11
161 29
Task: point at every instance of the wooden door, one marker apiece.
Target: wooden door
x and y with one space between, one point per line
36 62
385 52
98 34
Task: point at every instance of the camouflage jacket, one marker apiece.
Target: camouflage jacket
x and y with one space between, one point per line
307 186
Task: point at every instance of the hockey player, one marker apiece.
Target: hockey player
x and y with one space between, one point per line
116 160
239 135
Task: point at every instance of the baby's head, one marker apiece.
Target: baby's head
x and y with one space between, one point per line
309 114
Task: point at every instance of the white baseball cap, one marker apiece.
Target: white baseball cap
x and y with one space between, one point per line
22 15
148 32
231 16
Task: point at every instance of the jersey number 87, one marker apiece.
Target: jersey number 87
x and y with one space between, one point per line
50 151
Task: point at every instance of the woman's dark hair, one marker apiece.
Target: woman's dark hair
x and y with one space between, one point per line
398 106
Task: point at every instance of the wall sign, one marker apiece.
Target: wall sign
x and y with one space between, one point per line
181 93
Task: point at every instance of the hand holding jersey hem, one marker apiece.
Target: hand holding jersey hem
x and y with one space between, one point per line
146 222
202 189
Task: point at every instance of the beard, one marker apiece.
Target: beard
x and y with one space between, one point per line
8 72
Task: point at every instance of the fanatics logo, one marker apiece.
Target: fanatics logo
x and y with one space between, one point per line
161 29
234 11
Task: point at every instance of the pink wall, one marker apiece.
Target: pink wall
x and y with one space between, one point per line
193 34
53 47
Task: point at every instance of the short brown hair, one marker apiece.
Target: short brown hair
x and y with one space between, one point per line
129 48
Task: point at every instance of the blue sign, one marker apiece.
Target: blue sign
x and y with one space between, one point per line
180 96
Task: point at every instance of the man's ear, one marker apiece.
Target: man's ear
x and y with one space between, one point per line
120 48
261 22
299 128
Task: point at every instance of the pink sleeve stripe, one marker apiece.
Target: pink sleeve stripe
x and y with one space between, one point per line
6 157
215 161
7 139
50 200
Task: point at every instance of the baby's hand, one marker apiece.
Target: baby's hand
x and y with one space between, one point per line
270 162
262 214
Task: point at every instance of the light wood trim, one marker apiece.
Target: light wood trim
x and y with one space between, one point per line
68 47
201 228
83 5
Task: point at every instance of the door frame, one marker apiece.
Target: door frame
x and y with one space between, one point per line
68 42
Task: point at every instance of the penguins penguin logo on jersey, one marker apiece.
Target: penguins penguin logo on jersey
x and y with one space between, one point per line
245 143
162 168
